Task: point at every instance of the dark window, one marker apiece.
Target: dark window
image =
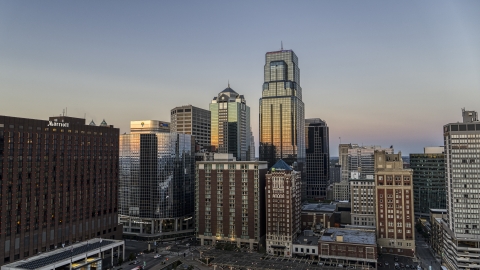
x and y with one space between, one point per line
463 127
454 127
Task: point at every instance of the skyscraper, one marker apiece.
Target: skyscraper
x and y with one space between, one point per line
317 159
156 184
355 158
230 124
282 114
462 172
428 180
189 119
59 181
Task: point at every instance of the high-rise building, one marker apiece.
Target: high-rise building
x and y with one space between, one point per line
394 199
355 158
317 163
282 113
230 124
335 172
283 192
462 227
341 191
230 201
428 180
156 185
59 184
149 126
362 192
189 119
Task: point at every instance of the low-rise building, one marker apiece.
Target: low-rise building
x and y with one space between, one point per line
436 233
348 246
341 191
306 245
316 216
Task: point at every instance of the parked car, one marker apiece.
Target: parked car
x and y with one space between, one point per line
157 256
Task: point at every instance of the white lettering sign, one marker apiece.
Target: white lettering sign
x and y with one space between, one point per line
57 124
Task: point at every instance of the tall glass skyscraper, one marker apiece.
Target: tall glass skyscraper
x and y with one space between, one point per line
317 159
282 114
230 124
156 184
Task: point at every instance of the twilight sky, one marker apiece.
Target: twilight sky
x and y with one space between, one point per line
379 72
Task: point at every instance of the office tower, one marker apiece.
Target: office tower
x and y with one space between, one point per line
394 199
156 185
59 184
230 201
355 158
282 113
252 146
362 192
230 124
189 119
283 192
149 126
428 180
462 227
317 159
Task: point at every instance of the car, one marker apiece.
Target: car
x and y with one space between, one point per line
401 265
386 263
340 265
157 256
407 266
380 264
396 259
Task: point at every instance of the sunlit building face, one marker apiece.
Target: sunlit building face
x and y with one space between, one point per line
282 115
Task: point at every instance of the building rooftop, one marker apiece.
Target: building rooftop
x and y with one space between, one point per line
306 240
349 236
281 166
63 256
438 211
319 207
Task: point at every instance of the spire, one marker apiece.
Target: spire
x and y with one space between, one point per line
281 43
228 83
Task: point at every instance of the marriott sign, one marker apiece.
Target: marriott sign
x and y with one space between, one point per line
57 124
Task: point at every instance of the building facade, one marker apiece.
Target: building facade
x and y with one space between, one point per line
282 113
59 184
352 247
230 124
363 202
395 219
156 185
149 126
191 120
283 203
428 180
462 223
341 191
355 158
317 162
230 201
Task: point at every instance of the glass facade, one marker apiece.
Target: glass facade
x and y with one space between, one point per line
282 115
317 159
230 124
428 182
156 182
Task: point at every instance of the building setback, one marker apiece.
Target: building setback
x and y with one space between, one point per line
317 162
394 199
230 201
462 170
283 198
282 112
59 184
191 120
428 180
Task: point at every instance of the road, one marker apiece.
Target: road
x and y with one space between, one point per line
425 254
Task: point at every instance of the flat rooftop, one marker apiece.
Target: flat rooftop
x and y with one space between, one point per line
349 236
306 240
63 256
319 207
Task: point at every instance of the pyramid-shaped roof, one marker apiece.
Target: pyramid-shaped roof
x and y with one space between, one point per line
103 124
281 165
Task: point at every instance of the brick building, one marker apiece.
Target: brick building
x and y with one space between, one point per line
59 184
230 201
283 194
394 199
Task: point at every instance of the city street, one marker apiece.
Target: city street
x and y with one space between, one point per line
425 254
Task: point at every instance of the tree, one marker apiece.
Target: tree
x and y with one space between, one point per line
131 257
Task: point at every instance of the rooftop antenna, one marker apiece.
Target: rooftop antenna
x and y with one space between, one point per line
281 44
228 83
